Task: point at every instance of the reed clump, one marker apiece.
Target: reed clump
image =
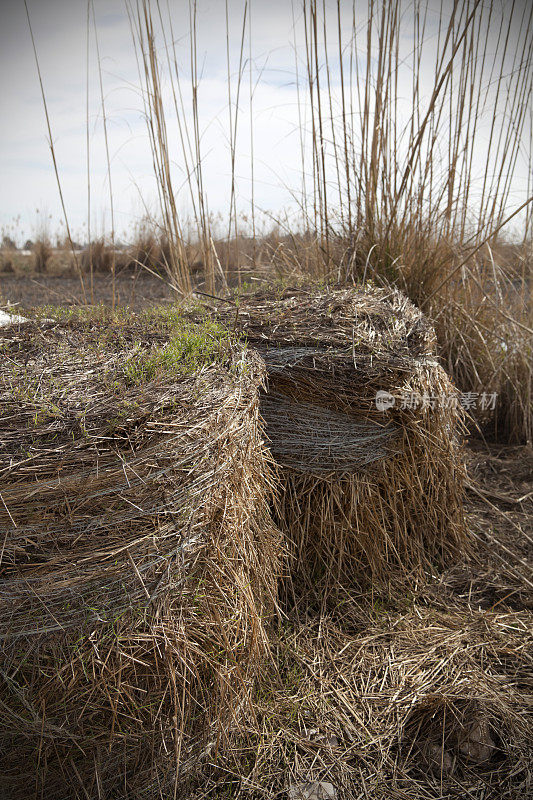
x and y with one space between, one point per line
139 560
97 256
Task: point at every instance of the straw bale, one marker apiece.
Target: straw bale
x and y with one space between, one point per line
367 496
139 561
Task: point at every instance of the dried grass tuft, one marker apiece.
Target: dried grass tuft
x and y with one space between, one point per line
42 253
97 256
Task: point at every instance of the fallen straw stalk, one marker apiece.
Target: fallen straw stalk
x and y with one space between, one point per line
427 700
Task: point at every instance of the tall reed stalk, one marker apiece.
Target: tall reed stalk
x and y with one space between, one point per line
108 161
53 155
415 133
142 26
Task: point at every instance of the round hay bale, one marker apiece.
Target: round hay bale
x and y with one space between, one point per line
139 562
363 423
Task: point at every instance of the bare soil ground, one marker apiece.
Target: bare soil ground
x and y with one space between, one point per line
137 289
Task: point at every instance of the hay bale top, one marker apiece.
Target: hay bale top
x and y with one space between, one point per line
139 557
370 320
336 347
70 382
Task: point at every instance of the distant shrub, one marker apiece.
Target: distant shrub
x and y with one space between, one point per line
150 249
97 256
42 253
6 264
8 243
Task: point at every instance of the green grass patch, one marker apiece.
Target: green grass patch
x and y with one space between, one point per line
190 347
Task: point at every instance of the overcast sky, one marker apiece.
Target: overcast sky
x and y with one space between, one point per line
27 178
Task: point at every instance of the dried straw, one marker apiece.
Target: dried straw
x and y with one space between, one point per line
367 496
139 560
384 703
